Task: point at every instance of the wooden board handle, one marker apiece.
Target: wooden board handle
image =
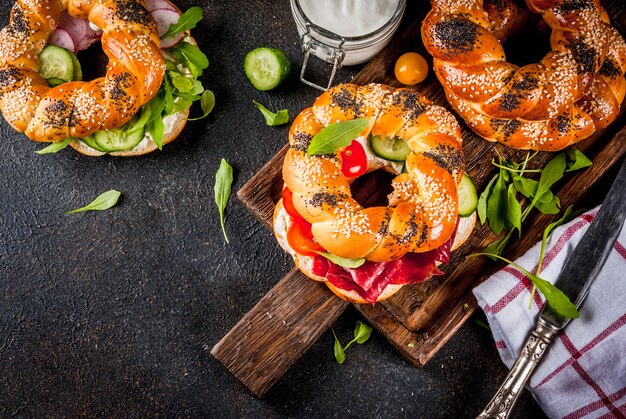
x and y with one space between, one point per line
278 331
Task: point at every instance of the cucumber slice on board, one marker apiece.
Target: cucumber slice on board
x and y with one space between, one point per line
389 148
56 63
468 198
266 67
117 139
91 142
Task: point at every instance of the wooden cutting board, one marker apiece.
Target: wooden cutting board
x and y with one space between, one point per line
421 318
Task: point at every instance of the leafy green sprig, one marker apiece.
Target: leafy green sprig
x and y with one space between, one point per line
362 333
499 205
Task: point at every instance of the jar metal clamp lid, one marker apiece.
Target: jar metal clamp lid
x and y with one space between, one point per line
340 50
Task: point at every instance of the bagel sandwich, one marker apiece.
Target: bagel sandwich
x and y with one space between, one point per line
365 255
139 105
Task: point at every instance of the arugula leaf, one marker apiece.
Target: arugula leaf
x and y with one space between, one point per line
273 119
550 174
527 187
555 297
362 332
181 83
346 263
481 209
340 354
207 102
336 136
223 183
192 55
553 206
497 205
156 129
54 147
186 21
497 246
102 202
578 160
514 209
169 95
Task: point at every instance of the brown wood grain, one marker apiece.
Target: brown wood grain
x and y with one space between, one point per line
419 319
271 337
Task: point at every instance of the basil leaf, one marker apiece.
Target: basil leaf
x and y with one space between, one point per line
185 22
497 205
555 297
54 147
514 209
273 119
223 183
340 355
207 102
481 209
345 263
577 160
336 136
362 332
156 130
102 202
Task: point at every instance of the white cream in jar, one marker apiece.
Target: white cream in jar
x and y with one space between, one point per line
350 18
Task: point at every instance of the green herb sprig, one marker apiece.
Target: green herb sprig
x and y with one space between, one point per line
273 119
223 183
362 333
555 297
102 202
499 206
336 136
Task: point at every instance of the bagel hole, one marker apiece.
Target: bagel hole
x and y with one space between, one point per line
93 62
530 44
372 188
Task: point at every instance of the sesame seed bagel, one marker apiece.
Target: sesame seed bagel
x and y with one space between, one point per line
576 89
423 207
77 109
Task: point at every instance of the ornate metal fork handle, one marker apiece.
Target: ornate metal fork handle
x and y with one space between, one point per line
532 352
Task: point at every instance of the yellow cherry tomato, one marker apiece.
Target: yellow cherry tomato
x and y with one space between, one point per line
411 68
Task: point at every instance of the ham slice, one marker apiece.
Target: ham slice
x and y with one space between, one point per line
370 279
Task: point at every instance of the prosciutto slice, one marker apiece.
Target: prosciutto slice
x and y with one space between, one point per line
370 279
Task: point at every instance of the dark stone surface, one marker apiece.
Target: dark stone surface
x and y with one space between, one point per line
114 313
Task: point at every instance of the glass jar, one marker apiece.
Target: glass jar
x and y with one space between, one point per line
340 50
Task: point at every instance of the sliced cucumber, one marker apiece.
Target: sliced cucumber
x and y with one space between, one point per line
389 148
77 74
56 63
91 142
468 198
118 139
266 67
54 82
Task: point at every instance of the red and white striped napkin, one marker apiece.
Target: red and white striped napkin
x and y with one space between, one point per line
583 375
